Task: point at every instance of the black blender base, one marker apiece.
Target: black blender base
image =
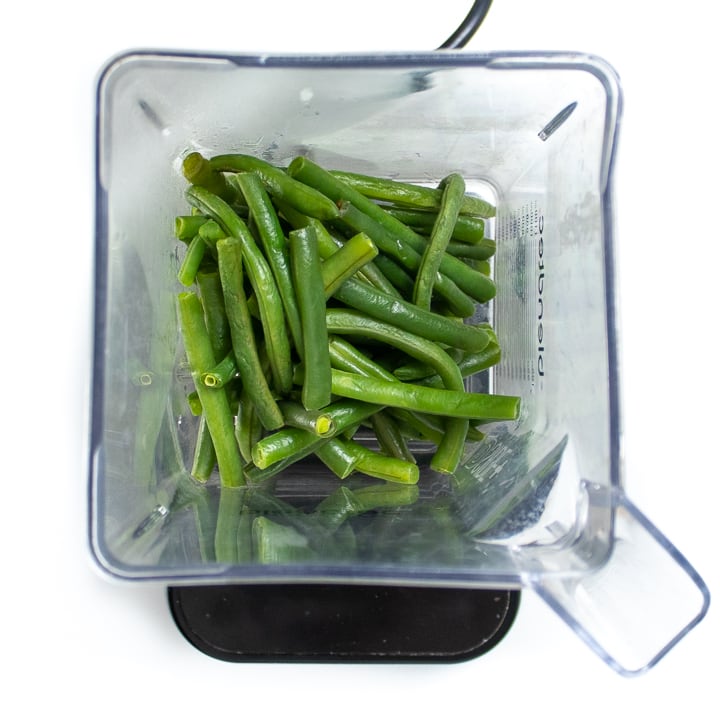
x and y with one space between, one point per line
342 623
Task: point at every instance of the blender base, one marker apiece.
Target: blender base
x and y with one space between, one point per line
342 623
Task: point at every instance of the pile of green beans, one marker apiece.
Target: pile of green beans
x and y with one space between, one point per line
325 313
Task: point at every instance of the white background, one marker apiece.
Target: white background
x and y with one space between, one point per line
70 639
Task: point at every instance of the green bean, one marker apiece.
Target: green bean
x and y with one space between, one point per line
308 279
273 241
337 458
194 404
197 171
389 437
287 442
344 263
293 441
216 407
483 250
410 194
315 421
469 365
213 302
453 192
191 261
434 401
279 184
248 428
401 280
350 322
416 425
329 245
450 450
468 280
407 316
204 458
222 373
392 469
468 230
402 251
482 266
269 302
305 444
345 356
188 226
226 531
230 263
390 235
211 232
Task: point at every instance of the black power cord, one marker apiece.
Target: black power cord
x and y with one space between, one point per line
468 26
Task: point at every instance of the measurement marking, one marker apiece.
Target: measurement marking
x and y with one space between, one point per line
557 121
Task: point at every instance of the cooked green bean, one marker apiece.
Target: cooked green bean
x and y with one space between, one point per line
213 302
483 250
308 280
287 442
226 532
315 421
405 315
392 469
216 407
222 373
345 356
452 195
434 401
230 264
468 280
268 297
191 261
329 245
389 437
410 194
204 458
348 322
290 441
197 171
469 365
416 425
404 253
401 280
279 184
188 226
211 232
353 255
194 404
248 428
274 243
468 230
337 458
351 322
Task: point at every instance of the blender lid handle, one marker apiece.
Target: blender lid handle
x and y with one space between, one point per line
635 607
467 28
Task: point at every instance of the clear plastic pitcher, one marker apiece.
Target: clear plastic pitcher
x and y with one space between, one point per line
540 503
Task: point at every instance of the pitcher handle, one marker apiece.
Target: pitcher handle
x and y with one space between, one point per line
640 603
